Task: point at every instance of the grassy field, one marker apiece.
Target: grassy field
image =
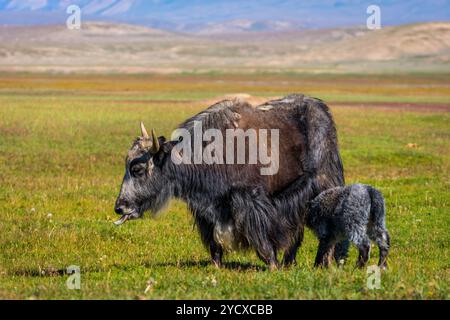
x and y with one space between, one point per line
63 140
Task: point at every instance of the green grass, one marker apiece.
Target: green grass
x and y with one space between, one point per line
62 150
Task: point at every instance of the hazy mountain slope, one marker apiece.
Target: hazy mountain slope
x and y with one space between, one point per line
431 40
224 15
114 47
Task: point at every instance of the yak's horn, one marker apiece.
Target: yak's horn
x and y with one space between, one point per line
155 143
143 131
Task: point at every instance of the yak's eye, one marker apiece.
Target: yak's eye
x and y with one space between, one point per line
137 170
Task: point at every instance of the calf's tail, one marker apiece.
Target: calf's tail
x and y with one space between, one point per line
377 231
377 209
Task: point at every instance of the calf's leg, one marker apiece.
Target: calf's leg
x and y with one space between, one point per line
364 252
383 241
341 251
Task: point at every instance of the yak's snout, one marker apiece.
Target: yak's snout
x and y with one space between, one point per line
120 207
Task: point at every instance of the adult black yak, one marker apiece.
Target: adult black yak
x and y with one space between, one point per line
238 205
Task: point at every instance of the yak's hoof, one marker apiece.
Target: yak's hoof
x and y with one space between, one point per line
383 266
360 265
273 266
321 265
289 262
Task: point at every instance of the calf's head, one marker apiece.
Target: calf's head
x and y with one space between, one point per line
145 185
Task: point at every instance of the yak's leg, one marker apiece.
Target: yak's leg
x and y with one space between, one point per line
324 253
206 230
216 254
269 256
291 252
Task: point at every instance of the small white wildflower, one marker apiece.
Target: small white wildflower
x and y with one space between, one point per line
150 283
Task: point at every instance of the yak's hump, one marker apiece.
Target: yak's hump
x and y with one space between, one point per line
227 113
221 115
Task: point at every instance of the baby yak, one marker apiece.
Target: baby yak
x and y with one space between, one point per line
354 212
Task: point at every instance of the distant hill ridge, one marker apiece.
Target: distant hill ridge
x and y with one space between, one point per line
100 46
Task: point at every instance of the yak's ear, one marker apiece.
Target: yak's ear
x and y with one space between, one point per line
162 140
167 146
165 149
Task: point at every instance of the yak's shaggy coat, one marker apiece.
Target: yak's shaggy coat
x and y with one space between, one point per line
234 206
356 213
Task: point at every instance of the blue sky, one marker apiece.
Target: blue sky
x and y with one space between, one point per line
312 14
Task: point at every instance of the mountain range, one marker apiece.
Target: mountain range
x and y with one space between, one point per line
225 16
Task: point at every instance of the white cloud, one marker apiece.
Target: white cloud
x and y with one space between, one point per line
95 6
118 8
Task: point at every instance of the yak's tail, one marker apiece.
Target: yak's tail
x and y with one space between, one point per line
323 157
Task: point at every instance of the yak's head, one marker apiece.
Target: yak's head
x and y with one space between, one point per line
145 185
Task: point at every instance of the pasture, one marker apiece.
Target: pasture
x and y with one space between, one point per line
63 141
